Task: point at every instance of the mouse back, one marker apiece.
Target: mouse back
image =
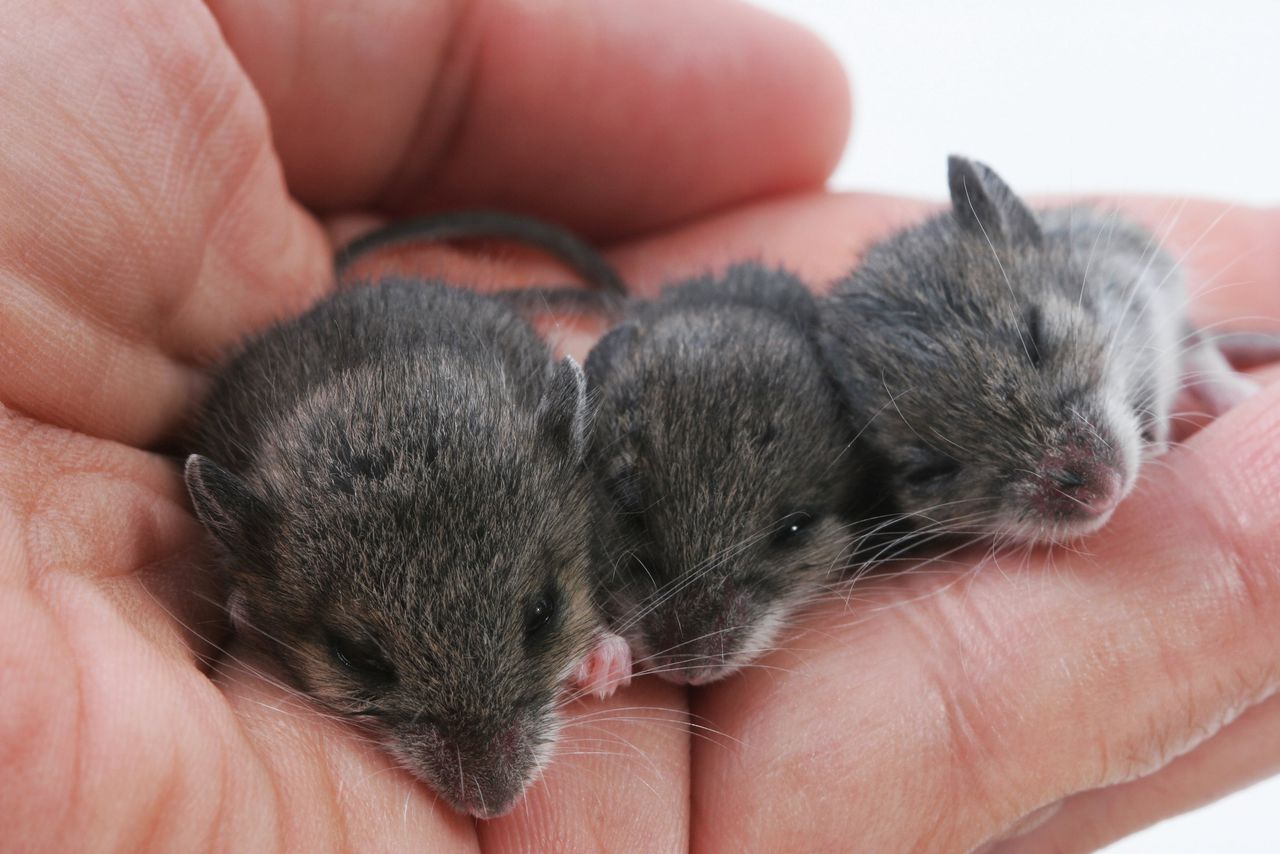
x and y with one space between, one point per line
397 479
395 322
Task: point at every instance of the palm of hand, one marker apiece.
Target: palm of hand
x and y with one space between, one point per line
148 227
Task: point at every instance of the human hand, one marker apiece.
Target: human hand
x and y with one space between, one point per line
99 548
147 227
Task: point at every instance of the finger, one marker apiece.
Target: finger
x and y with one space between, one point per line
612 118
620 774
1242 753
146 223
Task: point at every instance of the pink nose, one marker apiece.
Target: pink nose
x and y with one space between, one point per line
1089 489
1104 494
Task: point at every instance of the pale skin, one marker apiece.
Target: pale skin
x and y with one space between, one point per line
167 172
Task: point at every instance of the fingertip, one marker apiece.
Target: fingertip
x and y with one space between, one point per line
828 108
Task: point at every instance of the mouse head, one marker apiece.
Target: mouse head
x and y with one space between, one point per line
972 351
432 582
721 461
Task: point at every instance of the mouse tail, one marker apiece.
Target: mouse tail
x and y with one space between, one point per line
558 242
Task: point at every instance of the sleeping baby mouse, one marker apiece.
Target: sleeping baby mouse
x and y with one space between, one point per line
397 481
1012 368
722 454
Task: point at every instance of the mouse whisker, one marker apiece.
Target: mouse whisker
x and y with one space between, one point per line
1108 230
696 729
872 610
615 736
678 584
1150 252
232 662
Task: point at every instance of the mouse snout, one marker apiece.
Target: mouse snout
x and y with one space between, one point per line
691 669
1078 481
693 651
482 774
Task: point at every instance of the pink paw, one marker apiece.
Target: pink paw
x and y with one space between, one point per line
607 667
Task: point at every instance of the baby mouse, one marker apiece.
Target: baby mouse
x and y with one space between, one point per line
397 481
721 450
1012 368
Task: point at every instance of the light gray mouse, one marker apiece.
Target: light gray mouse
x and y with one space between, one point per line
397 481
1011 368
727 484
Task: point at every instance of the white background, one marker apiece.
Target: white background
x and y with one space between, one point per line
1176 98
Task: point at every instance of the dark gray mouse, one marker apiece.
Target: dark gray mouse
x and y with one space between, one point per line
397 481
1012 368
721 450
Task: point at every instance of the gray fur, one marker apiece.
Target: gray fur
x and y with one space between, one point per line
1006 366
717 428
402 467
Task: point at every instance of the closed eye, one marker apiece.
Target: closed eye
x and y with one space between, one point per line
937 469
361 657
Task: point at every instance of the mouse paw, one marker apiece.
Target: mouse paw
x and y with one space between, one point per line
1225 392
1210 377
607 667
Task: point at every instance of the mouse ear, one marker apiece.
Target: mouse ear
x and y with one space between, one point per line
563 412
608 350
984 204
224 504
